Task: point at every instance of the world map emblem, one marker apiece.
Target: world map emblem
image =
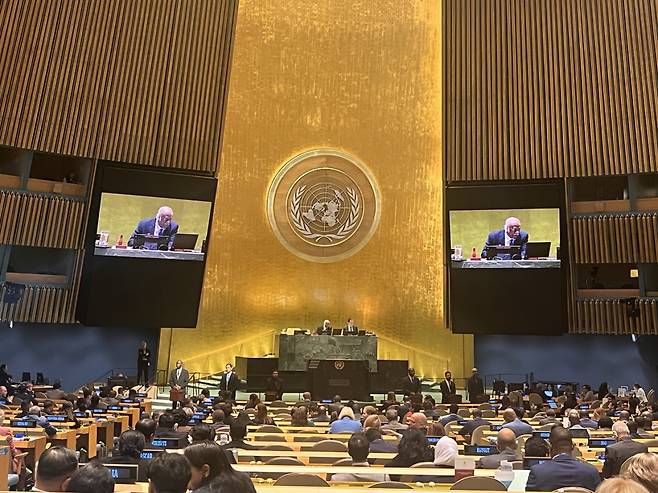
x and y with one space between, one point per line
323 205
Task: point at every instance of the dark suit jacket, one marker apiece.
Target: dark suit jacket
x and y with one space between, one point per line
446 390
381 445
147 227
617 453
498 238
411 385
321 330
350 332
561 472
230 385
182 381
470 426
475 387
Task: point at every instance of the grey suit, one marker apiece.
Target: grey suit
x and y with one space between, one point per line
493 461
181 381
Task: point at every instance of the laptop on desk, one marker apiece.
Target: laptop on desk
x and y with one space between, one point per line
150 242
185 241
537 249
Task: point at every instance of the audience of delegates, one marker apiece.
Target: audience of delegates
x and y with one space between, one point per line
55 468
617 453
358 447
94 477
563 469
169 473
506 445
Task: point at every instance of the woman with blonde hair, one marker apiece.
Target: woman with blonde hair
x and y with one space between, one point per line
643 468
621 485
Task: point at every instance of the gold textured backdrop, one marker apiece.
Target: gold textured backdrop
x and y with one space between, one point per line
359 76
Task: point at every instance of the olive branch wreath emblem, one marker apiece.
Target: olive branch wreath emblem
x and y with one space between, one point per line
342 233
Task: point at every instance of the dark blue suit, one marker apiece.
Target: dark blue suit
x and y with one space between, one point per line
496 238
561 472
147 227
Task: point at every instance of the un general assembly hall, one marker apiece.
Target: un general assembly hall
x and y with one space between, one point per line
288 246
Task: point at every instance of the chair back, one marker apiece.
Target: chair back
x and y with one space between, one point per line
595 404
391 484
347 461
452 427
546 427
423 464
278 404
279 461
536 399
572 489
270 438
651 395
520 441
281 448
485 406
479 483
488 413
300 479
478 438
327 446
269 429
464 413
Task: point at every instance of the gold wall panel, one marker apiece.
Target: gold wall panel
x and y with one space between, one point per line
358 76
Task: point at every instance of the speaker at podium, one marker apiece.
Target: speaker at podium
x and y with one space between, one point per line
348 378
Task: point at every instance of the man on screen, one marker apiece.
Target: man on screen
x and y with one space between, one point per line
161 225
510 235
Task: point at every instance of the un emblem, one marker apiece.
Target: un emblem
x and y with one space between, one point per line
323 205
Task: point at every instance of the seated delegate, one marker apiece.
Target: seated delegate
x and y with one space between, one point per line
162 225
510 235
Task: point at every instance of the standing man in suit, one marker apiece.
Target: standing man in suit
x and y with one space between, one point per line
229 381
510 235
178 380
350 329
161 225
143 363
475 386
617 453
411 384
447 388
563 470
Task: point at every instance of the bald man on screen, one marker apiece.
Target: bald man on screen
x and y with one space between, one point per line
510 235
162 225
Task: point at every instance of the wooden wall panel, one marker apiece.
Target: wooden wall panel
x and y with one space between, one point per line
39 220
44 304
550 88
598 316
623 238
127 80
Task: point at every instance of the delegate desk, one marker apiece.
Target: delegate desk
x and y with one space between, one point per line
296 350
139 253
550 263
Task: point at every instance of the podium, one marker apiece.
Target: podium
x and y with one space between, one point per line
348 378
176 395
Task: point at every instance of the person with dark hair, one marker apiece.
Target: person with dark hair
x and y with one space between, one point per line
453 416
167 427
218 417
274 386
55 468
252 402
238 433
411 384
56 393
378 444
469 427
146 427
261 417
96 403
605 423
642 426
131 444
209 462
536 446
603 390
143 363
563 470
169 473
92 478
299 417
202 432
389 401
358 447
5 378
413 448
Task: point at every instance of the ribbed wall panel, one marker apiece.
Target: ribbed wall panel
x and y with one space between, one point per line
598 316
550 88
623 238
136 81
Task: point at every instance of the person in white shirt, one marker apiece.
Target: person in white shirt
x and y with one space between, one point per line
640 394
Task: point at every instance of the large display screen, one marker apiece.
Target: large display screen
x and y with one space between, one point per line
151 227
505 245
502 235
145 248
